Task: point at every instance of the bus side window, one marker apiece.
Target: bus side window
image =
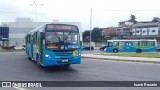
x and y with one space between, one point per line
35 37
115 43
150 43
128 43
143 43
135 43
121 43
31 38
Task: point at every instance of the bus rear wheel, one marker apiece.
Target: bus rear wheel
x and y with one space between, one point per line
138 51
115 50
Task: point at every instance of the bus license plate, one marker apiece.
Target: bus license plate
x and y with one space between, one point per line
66 60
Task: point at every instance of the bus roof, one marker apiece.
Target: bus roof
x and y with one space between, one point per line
67 23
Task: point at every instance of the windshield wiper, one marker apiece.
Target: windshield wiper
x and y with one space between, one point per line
58 37
68 35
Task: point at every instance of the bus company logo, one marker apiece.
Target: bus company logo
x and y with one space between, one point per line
6 84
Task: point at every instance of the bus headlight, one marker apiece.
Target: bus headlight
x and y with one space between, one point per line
46 55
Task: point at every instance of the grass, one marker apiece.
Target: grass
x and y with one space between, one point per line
147 55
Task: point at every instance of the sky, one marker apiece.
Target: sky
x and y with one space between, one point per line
105 13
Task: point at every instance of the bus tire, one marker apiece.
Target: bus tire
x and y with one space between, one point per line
38 61
138 51
115 50
29 58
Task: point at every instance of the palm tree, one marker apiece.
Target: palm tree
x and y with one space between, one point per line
155 19
133 18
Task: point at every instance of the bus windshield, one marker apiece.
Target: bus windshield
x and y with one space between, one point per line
58 40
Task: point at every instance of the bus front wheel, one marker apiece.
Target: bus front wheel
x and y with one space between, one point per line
38 61
115 50
138 51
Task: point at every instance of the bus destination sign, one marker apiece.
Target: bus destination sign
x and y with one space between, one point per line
61 27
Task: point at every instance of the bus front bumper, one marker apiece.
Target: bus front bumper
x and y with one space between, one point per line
61 61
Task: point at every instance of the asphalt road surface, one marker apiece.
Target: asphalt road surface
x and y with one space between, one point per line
16 67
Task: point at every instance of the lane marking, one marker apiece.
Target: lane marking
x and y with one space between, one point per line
19 88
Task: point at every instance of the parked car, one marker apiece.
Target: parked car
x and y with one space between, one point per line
102 48
158 49
20 47
88 48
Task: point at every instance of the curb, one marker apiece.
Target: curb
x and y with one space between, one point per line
126 60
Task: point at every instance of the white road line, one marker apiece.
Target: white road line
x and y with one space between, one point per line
19 88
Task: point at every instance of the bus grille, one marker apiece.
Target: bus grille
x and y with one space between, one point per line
63 55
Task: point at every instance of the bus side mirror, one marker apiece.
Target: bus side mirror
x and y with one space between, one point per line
42 35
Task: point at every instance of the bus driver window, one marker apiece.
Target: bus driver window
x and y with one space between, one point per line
110 44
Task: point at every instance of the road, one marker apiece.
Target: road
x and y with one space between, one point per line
16 67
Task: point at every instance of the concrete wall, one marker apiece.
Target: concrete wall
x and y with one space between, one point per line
94 44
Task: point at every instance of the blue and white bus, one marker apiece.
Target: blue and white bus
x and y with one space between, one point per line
55 44
131 46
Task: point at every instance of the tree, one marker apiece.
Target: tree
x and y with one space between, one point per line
155 19
132 18
95 37
86 35
97 34
113 34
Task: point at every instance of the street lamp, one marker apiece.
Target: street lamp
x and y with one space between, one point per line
35 5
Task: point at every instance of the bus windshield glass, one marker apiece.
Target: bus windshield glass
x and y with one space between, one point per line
62 40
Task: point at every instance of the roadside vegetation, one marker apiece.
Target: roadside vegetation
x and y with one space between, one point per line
147 55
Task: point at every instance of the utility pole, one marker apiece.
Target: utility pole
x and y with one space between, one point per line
90 28
158 25
35 5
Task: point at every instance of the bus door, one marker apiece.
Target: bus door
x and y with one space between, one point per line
128 47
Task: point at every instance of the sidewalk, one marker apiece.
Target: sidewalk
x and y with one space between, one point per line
119 58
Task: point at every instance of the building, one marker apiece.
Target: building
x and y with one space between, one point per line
4 34
108 31
19 28
124 28
145 28
124 23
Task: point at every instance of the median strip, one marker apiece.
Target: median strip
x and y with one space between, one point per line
122 58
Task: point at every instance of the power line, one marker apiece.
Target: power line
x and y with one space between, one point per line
1 11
